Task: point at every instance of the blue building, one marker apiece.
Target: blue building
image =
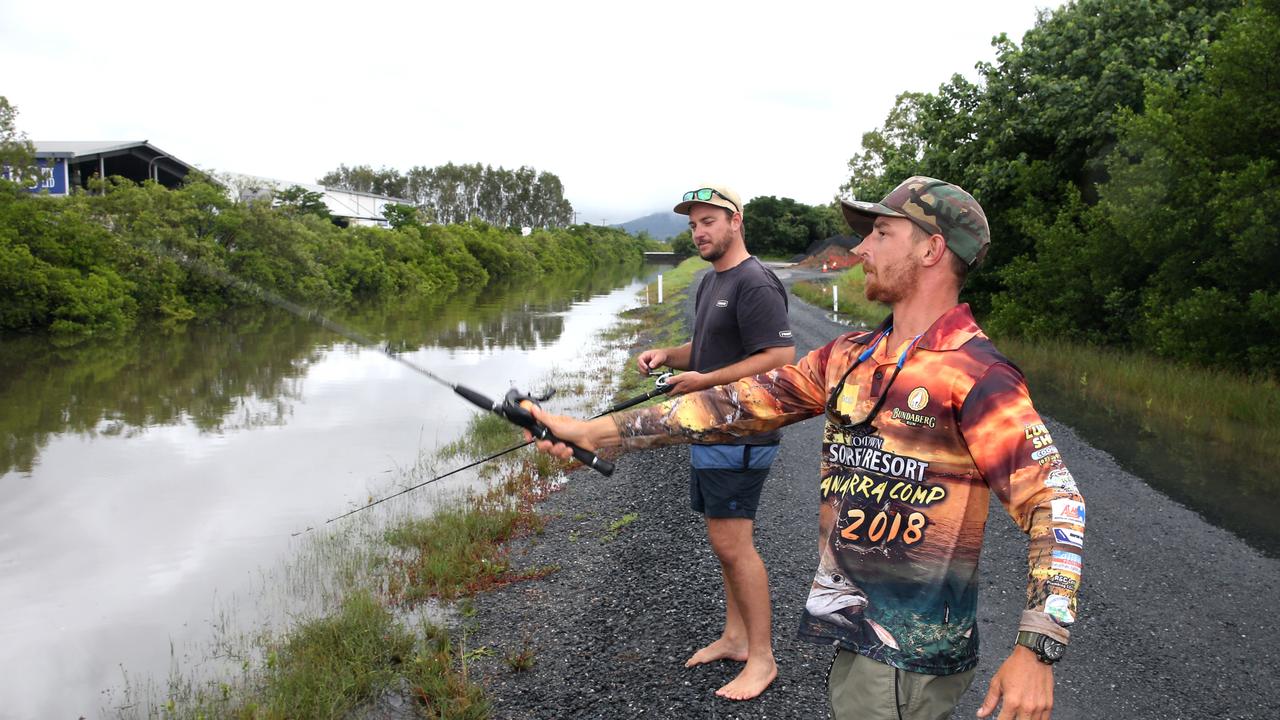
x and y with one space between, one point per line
70 164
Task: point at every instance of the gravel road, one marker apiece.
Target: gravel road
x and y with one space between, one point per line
1177 617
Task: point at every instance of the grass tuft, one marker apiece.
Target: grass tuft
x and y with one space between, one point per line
617 525
486 434
854 306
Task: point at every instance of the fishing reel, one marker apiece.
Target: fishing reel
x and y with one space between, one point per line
516 413
513 411
662 377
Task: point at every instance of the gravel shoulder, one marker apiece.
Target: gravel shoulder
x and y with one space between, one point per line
1177 617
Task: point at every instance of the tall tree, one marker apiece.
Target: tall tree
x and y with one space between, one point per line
17 154
1043 119
363 178
453 193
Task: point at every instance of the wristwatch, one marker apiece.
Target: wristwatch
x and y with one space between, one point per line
1048 650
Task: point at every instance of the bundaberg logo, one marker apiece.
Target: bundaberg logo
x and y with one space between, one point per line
916 402
918 398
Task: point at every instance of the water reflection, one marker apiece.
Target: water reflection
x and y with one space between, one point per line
155 474
209 376
1230 489
243 371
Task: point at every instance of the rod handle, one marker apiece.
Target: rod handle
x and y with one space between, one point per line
477 399
515 412
582 455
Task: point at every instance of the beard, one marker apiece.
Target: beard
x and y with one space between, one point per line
890 284
715 249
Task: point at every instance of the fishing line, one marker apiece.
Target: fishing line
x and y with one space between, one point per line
661 388
510 408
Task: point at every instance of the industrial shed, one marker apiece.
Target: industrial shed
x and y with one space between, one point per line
68 164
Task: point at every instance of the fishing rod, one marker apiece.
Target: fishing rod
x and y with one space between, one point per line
661 387
510 408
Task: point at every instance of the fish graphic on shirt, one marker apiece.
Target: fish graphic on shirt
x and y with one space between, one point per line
837 600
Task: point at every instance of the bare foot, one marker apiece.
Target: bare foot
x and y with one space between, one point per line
752 681
721 649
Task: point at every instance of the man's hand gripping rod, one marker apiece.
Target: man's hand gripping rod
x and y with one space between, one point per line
661 388
511 410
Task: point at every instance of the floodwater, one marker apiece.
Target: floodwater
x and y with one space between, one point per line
1231 489
143 479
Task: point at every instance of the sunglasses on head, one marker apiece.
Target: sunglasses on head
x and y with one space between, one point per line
704 194
864 427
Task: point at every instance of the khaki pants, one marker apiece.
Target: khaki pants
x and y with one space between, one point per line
863 689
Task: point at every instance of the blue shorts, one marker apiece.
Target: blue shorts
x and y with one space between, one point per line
726 480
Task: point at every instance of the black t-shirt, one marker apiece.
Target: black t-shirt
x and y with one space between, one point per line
739 312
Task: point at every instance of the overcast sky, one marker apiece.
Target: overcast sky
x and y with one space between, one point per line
630 104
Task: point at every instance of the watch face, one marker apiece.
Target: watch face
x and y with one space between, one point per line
1052 649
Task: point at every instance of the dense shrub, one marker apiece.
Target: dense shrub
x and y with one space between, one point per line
99 263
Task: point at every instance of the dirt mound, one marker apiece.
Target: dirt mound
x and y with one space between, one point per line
831 256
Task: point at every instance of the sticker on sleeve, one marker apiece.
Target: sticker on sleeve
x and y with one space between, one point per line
1064 581
1044 452
1065 510
1058 607
1061 479
1067 536
1066 561
1056 578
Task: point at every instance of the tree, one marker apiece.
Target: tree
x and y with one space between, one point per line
17 154
399 215
299 200
682 244
453 193
363 178
785 227
1172 244
1043 119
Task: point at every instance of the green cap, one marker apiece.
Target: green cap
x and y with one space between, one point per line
935 206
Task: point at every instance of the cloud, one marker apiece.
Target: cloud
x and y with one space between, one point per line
627 103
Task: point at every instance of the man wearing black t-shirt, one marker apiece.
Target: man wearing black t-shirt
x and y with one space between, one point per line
740 329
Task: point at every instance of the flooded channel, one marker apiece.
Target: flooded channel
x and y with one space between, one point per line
143 479
1229 488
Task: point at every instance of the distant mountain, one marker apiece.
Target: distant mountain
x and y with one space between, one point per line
659 225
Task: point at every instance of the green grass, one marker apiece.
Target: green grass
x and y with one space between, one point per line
679 277
329 667
486 434
616 526
853 304
654 325
1174 401
460 550
326 667
521 660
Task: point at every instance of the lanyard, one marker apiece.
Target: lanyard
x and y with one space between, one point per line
864 427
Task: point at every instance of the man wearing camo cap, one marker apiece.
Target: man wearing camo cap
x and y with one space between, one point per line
924 420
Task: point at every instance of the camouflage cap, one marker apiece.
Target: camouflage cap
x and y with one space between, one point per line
935 206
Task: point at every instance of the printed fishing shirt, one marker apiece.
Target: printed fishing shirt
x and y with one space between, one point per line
903 509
